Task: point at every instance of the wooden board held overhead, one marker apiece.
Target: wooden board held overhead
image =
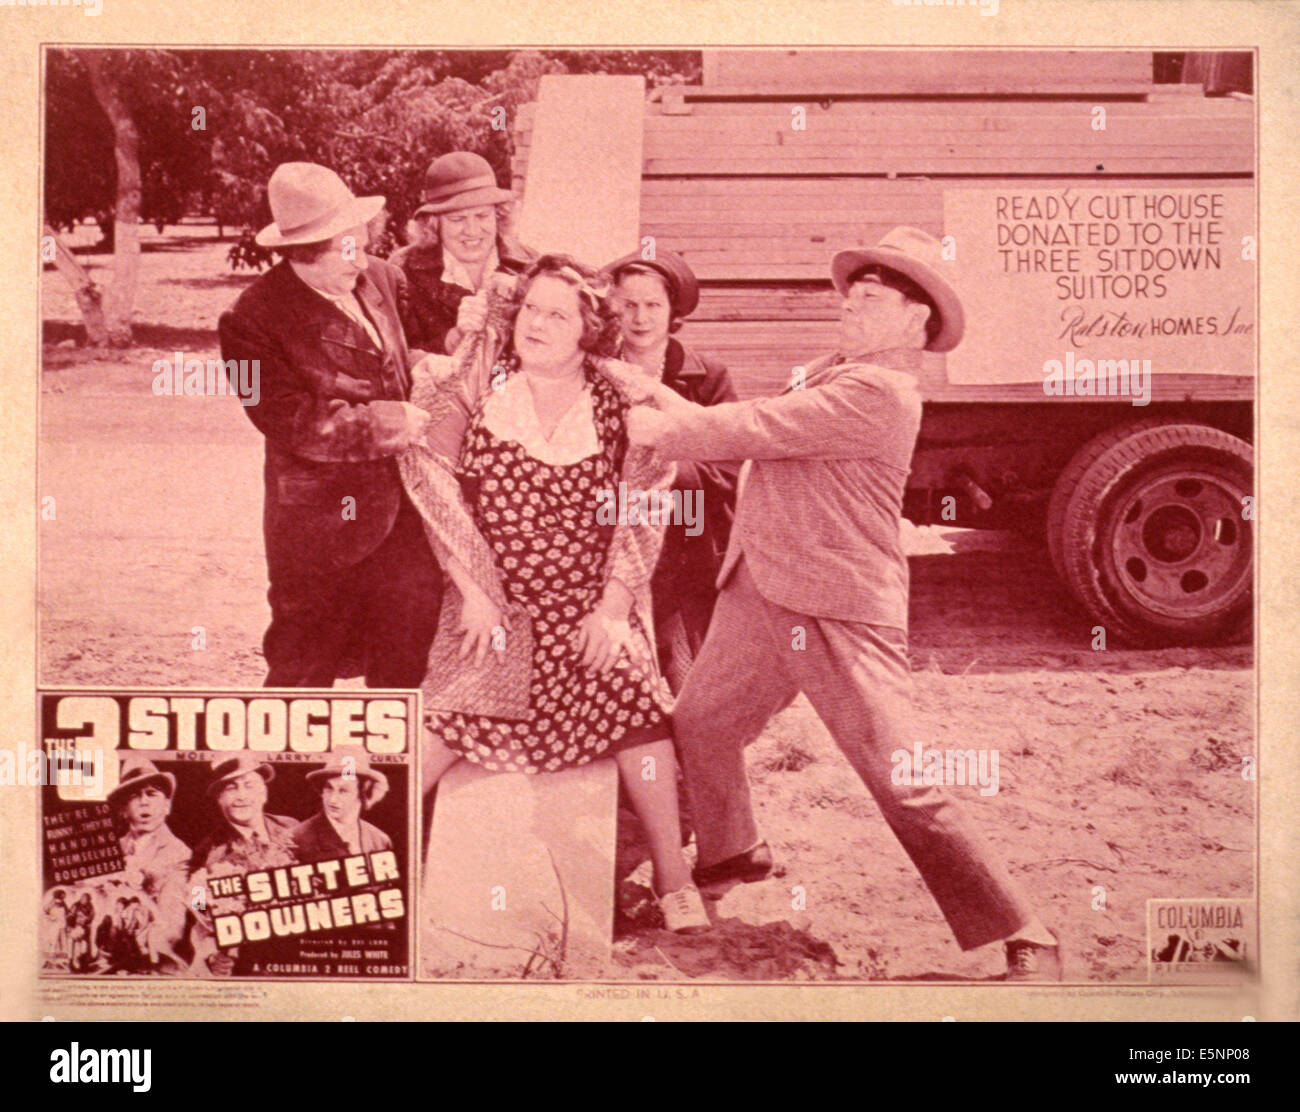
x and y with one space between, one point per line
583 189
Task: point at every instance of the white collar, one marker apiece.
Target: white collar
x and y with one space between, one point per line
455 272
509 414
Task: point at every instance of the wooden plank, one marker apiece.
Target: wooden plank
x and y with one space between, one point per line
709 232
923 86
766 303
767 241
1177 104
792 153
586 144
731 190
489 880
1076 138
773 214
902 119
760 355
912 71
1073 163
775 136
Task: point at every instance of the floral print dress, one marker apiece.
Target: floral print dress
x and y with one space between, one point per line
535 499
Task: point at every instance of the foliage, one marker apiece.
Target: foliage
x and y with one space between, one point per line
378 117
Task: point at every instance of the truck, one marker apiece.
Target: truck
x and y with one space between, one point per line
1103 224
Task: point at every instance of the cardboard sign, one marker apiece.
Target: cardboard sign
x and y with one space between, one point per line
1143 272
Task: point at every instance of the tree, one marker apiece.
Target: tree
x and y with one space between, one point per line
119 149
153 135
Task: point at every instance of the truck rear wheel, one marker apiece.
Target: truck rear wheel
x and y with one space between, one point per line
1147 528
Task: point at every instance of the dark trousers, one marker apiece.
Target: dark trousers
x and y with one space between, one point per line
376 618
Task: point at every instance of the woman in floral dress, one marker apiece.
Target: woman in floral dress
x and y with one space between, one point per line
519 481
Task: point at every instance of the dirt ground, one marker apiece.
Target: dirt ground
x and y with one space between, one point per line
1120 770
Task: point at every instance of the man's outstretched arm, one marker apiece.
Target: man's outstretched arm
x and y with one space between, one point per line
843 419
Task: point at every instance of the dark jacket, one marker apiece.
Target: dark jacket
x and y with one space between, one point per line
330 409
316 840
685 577
429 304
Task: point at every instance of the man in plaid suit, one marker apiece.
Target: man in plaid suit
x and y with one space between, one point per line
814 591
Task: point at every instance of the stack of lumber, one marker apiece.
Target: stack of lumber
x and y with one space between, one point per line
782 157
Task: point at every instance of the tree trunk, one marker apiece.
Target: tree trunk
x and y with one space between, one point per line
89 297
119 298
107 233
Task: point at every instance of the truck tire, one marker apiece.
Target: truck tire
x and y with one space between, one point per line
1072 474
1149 533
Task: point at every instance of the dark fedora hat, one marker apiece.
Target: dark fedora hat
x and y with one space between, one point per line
239 764
350 763
137 773
683 286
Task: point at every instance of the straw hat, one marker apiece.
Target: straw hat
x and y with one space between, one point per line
916 255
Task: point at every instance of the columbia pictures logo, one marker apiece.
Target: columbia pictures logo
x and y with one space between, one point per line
1201 940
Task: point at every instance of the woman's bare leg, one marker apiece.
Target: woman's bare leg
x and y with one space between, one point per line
435 759
649 773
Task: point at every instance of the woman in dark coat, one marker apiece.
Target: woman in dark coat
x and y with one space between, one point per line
460 237
654 296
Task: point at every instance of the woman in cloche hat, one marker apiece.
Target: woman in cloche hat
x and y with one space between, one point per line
460 236
654 290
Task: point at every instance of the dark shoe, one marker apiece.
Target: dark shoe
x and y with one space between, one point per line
1028 961
744 868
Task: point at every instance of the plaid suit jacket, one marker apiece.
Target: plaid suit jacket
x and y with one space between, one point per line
820 503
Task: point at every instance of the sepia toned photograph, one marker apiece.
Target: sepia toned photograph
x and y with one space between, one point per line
811 490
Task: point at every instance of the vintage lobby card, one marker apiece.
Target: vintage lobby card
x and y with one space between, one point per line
671 511
148 864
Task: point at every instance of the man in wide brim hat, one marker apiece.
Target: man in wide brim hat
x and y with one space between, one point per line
816 549
311 204
351 764
136 774
337 828
354 586
233 768
916 256
155 861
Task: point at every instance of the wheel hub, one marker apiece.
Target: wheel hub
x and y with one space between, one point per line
1181 544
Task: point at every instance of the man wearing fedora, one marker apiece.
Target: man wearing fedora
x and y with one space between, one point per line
815 587
354 586
460 238
245 839
348 786
155 861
